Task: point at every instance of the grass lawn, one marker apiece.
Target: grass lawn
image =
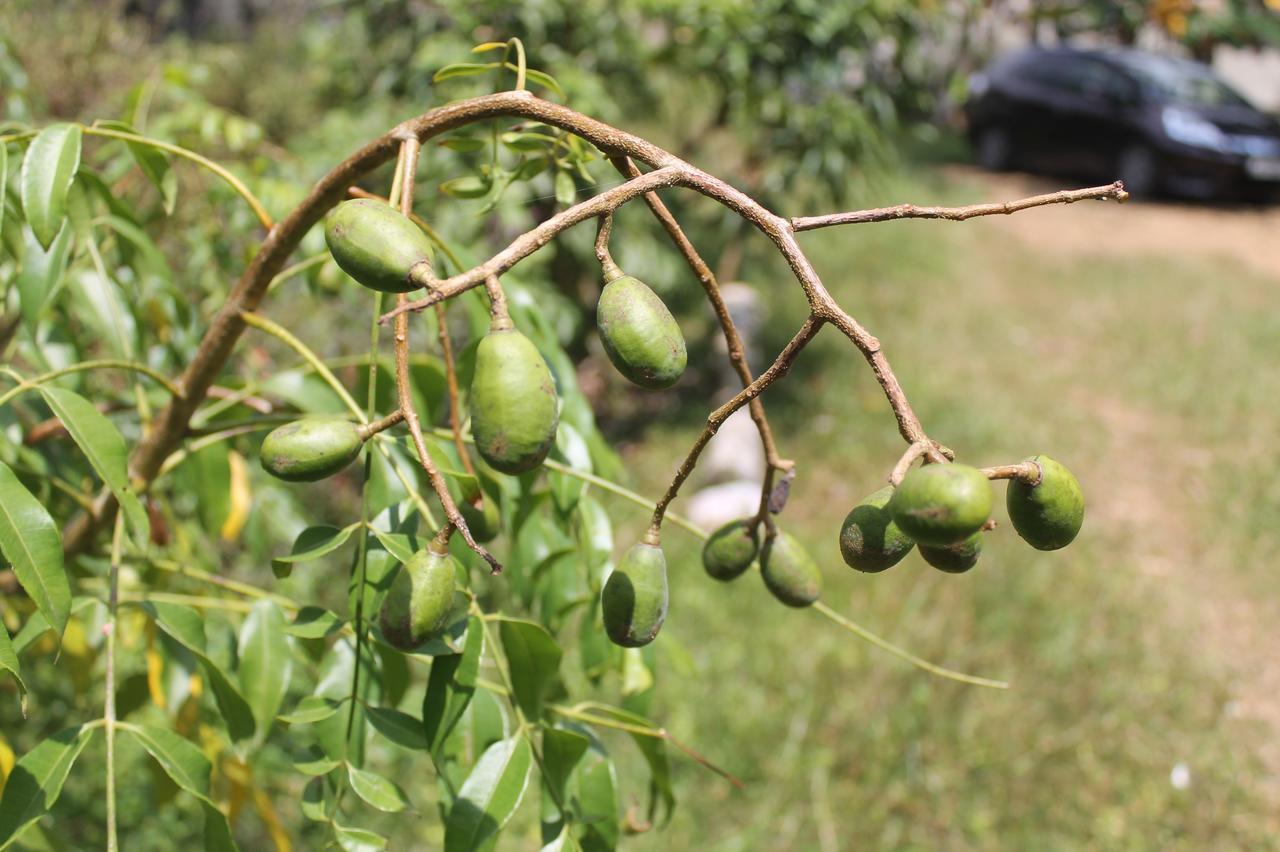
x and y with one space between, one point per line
1137 657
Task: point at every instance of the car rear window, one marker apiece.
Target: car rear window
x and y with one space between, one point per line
1177 82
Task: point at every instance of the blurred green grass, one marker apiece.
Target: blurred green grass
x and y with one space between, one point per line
1145 375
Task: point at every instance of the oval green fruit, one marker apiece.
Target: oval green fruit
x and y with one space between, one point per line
418 604
376 245
939 504
730 550
869 539
634 600
789 571
310 449
954 558
513 402
1050 513
640 335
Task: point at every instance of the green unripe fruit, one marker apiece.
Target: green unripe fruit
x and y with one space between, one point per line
484 521
513 402
939 504
789 571
310 449
730 550
1048 514
418 604
634 600
641 337
376 244
954 558
869 539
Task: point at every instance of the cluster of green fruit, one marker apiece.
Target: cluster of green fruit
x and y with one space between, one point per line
944 508
513 408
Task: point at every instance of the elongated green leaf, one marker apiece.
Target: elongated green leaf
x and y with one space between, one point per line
315 800
463 69
490 795
9 662
463 144
186 627
314 542
319 766
37 625
654 750
217 831
358 839
266 663
450 687
543 79
594 788
153 163
380 792
312 708
104 447
565 841
47 171
35 782
42 269
30 542
313 622
561 751
401 728
399 545
181 759
534 660
467 186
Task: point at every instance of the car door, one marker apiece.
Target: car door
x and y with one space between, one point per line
1095 114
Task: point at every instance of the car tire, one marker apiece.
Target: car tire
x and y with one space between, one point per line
993 149
1138 170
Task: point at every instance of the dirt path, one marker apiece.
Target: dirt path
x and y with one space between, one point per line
1205 597
1250 234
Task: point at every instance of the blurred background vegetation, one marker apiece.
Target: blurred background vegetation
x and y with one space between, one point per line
1124 726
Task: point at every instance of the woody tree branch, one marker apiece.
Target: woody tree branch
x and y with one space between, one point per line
170 427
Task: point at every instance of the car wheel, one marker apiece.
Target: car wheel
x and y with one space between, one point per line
1138 169
994 149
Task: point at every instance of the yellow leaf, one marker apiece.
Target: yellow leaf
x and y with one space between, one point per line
241 497
266 810
155 668
6 761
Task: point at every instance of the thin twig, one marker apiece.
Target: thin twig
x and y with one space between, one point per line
776 370
1027 471
109 703
405 392
908 458
1110 192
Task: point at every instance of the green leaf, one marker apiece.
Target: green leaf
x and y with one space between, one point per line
561 751
9 662
533 658
47 172
463 69
312 708
42 269
463 144
314 622
314 542
450 686
565 841
104 447
566 189
399 545
401 728
217 831
153 163
528 142
185 626
490 795
468 186
654 750
317 767
380 792
30 542
181 759
37 625
266 663
35 782
543 79
315 804
594 788
358 839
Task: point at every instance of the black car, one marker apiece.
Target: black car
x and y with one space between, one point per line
1159 124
